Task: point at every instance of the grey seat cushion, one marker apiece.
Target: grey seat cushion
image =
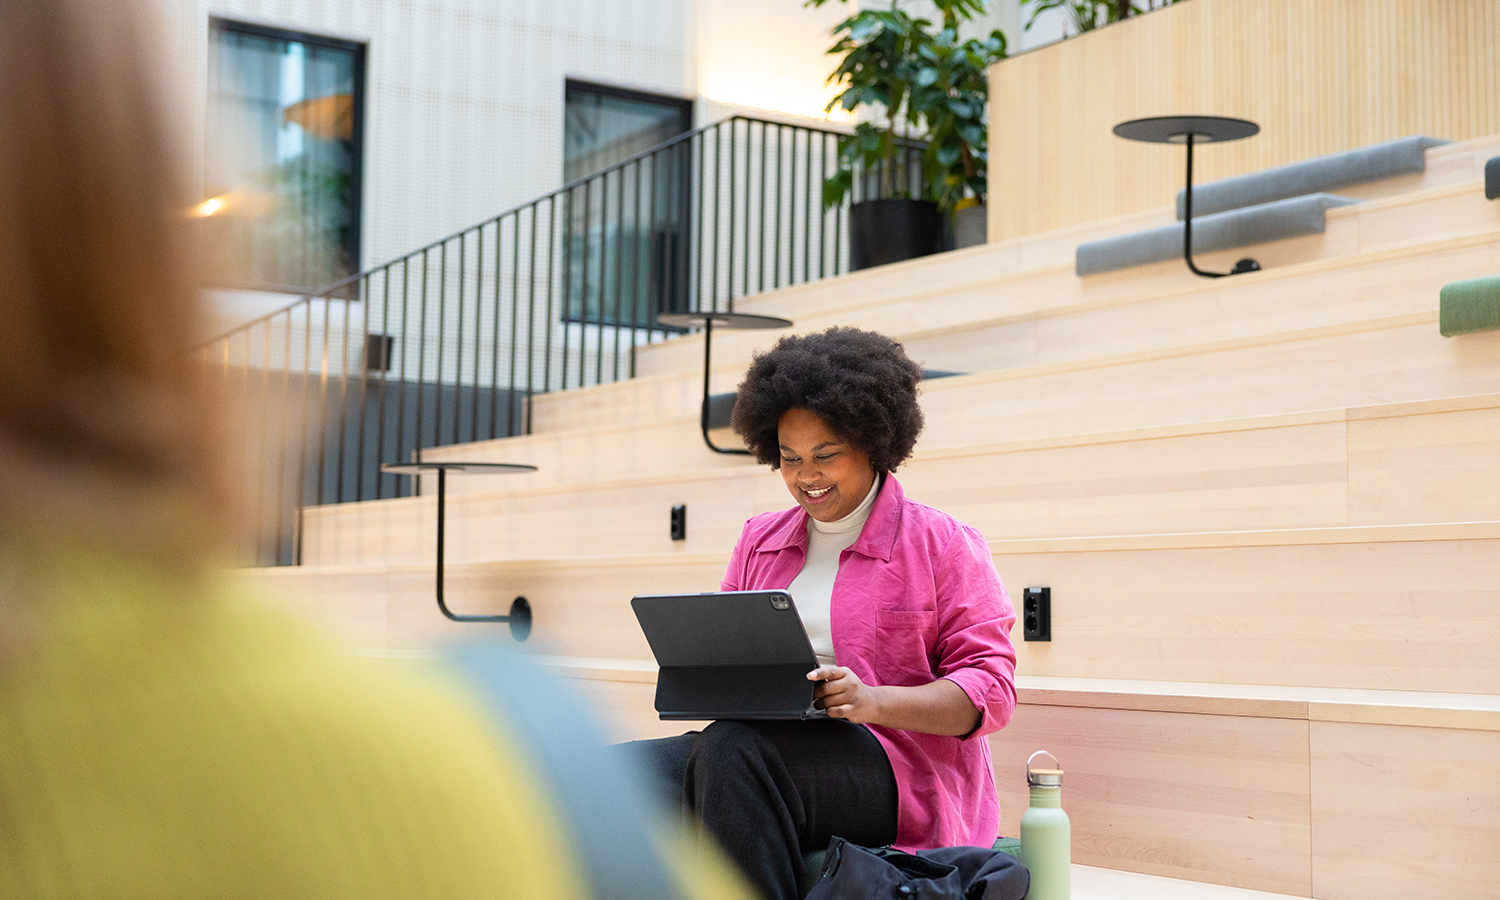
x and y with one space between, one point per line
1309 176
1223 231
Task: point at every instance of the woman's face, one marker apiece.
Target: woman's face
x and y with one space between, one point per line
828 476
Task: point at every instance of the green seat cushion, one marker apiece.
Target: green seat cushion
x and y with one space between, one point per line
1469 306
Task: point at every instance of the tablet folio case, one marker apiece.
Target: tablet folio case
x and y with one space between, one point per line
731 655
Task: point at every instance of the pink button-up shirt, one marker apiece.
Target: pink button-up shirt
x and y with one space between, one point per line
916 599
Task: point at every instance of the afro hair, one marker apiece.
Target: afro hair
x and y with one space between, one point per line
860 383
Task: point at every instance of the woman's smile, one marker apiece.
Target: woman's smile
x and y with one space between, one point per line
828 476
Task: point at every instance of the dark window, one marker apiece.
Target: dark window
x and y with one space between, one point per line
283 155
624 229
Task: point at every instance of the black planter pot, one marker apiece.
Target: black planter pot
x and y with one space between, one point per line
887 231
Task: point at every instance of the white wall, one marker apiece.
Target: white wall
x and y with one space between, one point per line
464 97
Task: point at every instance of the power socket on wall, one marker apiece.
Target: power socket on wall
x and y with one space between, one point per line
679 522
1036 614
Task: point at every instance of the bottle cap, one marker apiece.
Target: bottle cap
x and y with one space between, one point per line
1043 777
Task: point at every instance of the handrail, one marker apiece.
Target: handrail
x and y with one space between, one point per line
449 342
567 186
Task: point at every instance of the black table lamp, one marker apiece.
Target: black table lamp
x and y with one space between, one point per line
1192 130
707 321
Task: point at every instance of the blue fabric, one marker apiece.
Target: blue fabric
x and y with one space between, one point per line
599 799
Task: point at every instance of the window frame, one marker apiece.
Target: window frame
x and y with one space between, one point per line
359 50
665 300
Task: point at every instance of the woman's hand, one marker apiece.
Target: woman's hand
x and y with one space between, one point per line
840 692
938 707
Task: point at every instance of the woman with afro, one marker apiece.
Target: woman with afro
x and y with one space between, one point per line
907 616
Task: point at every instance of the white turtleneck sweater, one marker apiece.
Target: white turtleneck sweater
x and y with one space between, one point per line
812 589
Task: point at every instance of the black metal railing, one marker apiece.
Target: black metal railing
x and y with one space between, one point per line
446 344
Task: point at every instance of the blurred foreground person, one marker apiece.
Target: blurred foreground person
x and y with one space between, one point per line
161 737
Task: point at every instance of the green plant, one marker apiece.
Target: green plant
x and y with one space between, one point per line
957 155
923 82
1087 15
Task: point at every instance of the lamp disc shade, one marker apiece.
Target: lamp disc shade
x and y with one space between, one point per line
721 320
1175 129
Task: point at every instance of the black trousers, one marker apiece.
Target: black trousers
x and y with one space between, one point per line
770 791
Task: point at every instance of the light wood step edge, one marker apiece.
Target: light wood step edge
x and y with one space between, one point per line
1127 294
1280 273
958 382
1087 231
1096 883
1106 303
1480 712
1462 403
1282 537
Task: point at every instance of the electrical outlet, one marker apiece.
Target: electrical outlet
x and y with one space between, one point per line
679 522
1036 614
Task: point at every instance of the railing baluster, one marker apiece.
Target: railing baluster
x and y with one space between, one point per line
338 472
402 382
322 489
698 245
760 257
635 265
421 382
478 324
515 321
531 306
567 281
734 196
812 196
283 495
551 279
619 322
362 290
387 346
495 329
776 231
439 397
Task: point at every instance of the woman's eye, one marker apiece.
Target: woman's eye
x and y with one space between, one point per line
826 457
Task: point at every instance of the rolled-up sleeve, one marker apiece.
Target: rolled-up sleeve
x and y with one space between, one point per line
974 650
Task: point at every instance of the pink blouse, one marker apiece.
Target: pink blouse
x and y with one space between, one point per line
916 599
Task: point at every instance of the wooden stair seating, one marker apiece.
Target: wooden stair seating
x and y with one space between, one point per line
1267 508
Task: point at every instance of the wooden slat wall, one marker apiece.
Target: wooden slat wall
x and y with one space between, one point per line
1319 76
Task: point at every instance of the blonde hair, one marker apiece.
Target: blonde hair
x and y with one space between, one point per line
105 419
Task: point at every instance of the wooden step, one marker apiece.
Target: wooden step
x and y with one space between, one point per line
1096 883
1041 322
1409 607
1398 607
1296 791
1399 359
1388 464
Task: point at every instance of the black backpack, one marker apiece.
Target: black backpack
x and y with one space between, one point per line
852 872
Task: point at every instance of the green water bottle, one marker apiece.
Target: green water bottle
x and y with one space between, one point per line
1046 838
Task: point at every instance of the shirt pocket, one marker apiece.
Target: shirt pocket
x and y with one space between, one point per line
906 638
